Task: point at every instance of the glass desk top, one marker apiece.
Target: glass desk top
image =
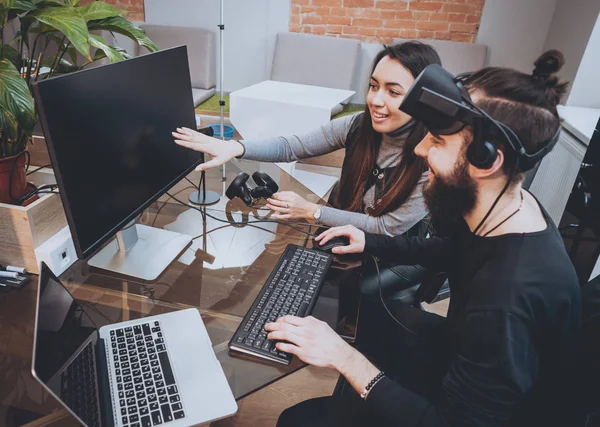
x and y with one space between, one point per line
220 274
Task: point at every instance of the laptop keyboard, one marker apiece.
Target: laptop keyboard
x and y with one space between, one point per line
78 386
148 393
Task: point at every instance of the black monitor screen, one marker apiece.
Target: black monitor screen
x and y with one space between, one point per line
108 131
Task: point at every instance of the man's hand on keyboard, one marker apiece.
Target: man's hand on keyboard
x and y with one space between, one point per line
312 340
356 236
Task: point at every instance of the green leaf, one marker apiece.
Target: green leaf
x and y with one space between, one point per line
111 53
8 123
72 2
11 54
98 10
63 66
23 5
19 8
7 4
122 26
58 40
15 97
68 21
53 3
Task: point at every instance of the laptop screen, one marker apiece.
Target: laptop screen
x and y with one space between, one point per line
65 349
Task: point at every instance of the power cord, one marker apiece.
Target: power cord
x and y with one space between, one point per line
37 169
167 201
384 304
39 190
249 222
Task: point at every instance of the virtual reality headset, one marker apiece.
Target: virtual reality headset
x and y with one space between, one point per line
443 105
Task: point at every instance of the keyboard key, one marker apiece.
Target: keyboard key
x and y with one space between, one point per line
166 368
172 389
144 411
163 399
176 406
134 418
156 417
154 405
166 413
178 415
146 422
174 398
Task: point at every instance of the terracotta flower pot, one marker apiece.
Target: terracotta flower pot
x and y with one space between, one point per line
16 164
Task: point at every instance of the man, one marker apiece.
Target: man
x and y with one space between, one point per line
504 350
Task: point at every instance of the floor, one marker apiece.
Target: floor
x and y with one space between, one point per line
262 408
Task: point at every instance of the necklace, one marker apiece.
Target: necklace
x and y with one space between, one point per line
508 217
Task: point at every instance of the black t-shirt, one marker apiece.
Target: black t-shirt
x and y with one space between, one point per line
513 324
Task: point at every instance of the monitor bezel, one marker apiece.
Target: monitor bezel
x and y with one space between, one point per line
84 253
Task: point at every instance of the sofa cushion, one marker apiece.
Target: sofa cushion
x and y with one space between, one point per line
201 95
201 47
457 57
315 60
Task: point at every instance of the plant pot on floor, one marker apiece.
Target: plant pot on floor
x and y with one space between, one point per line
12 174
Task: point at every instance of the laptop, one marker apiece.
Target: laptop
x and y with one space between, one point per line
158 370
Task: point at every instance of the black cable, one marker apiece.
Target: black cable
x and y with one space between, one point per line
510 178
36 191
197 187
248 222
229 225
166 202
384 304
37 169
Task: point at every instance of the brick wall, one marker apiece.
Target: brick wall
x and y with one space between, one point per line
380 21
135 8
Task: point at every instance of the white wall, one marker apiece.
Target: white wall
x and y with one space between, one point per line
570 31
585 90
250 29
515 31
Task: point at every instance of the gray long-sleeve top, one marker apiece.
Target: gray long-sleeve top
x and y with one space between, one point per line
332 137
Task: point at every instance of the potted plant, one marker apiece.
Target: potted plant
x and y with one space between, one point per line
63 27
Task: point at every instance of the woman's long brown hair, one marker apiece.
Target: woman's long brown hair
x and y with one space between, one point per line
361 157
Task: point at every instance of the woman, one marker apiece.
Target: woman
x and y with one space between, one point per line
380 185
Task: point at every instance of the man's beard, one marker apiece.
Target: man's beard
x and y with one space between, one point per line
450 198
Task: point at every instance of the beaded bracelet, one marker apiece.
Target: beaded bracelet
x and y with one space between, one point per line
369 386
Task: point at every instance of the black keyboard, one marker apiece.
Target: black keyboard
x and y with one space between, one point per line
78 386
148 393
292 288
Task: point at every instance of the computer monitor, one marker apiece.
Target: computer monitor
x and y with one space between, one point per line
108 131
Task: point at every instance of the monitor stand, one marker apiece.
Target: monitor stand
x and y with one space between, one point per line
141 251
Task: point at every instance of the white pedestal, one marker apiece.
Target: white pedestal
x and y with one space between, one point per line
272 108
